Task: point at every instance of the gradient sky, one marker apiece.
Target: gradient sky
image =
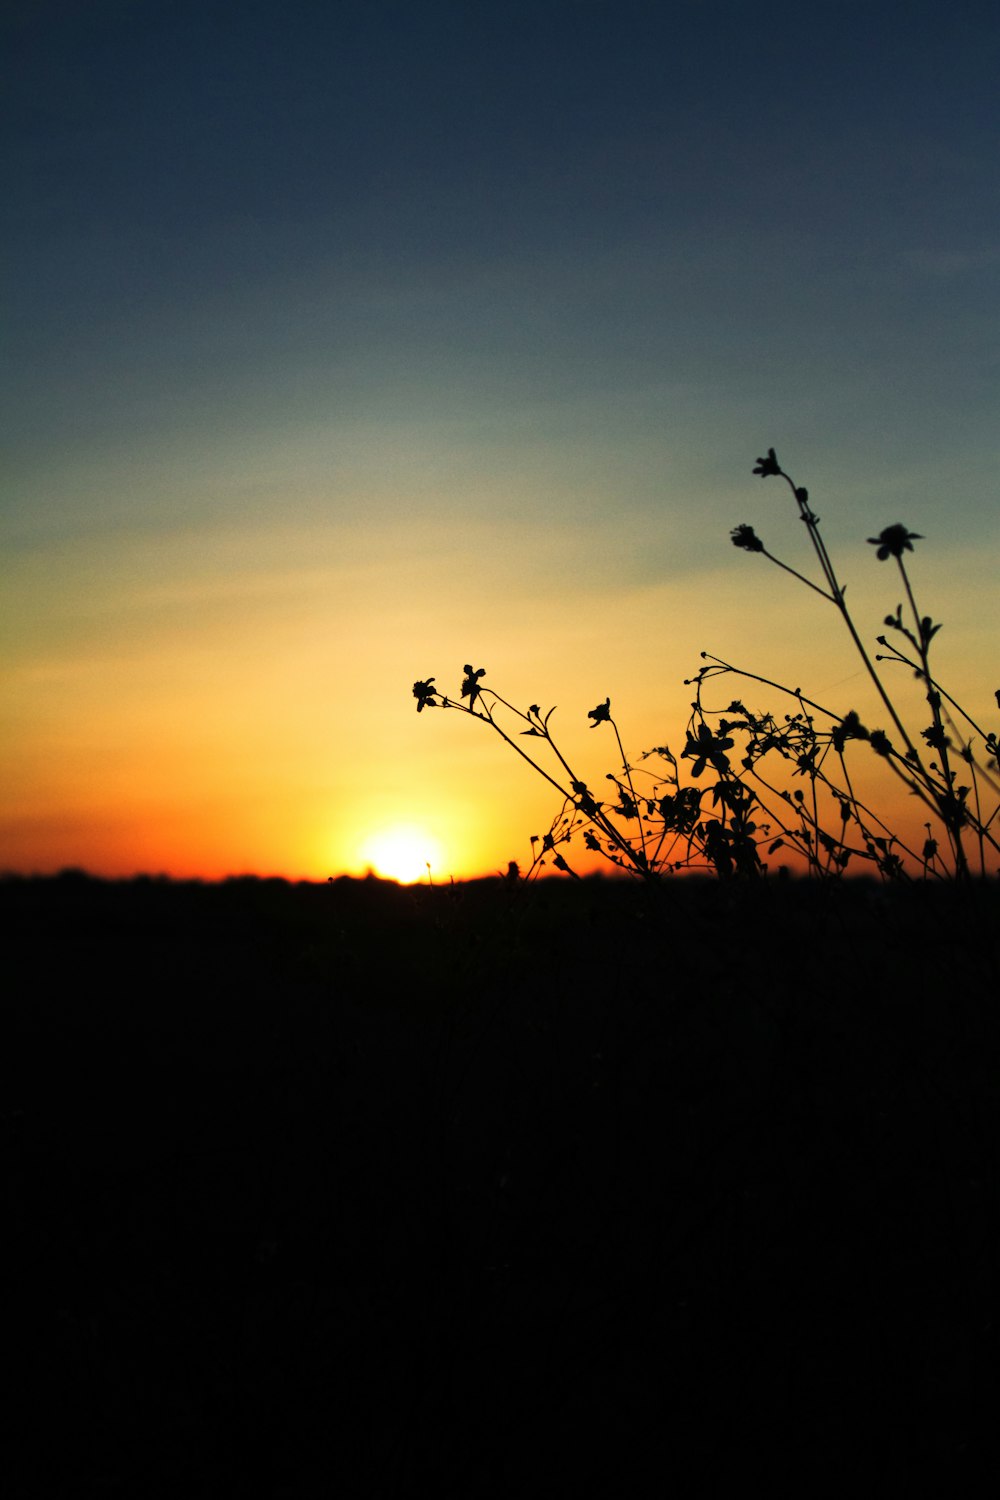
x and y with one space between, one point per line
346 343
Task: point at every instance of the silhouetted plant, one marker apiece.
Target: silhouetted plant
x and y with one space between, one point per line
934 781
742 812
580 811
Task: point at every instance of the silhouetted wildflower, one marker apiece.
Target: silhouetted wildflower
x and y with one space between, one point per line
424 694
627 807
586 802
601 714
766 467
849 728
936 737
707 748
680 811
732 794
745 537
470 684
893 541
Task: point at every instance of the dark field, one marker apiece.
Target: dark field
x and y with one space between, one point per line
350 1190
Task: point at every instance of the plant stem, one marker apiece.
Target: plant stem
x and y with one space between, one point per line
837 594
950 807
599 819
628 774
922 788
800 576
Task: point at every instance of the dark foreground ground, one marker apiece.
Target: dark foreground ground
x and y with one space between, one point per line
349 1190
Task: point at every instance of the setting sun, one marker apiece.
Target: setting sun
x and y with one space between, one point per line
405 854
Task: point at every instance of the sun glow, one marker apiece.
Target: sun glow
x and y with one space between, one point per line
403 854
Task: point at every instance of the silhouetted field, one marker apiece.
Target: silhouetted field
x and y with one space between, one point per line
352 1189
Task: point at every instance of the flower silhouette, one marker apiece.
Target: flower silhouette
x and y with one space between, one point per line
707 748
747 538
470 684
893 541
849 728
601 714
424 694
766 467
586 802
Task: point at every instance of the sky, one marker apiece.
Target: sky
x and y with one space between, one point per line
347 343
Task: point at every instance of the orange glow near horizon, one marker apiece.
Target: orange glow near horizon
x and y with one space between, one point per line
211 705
